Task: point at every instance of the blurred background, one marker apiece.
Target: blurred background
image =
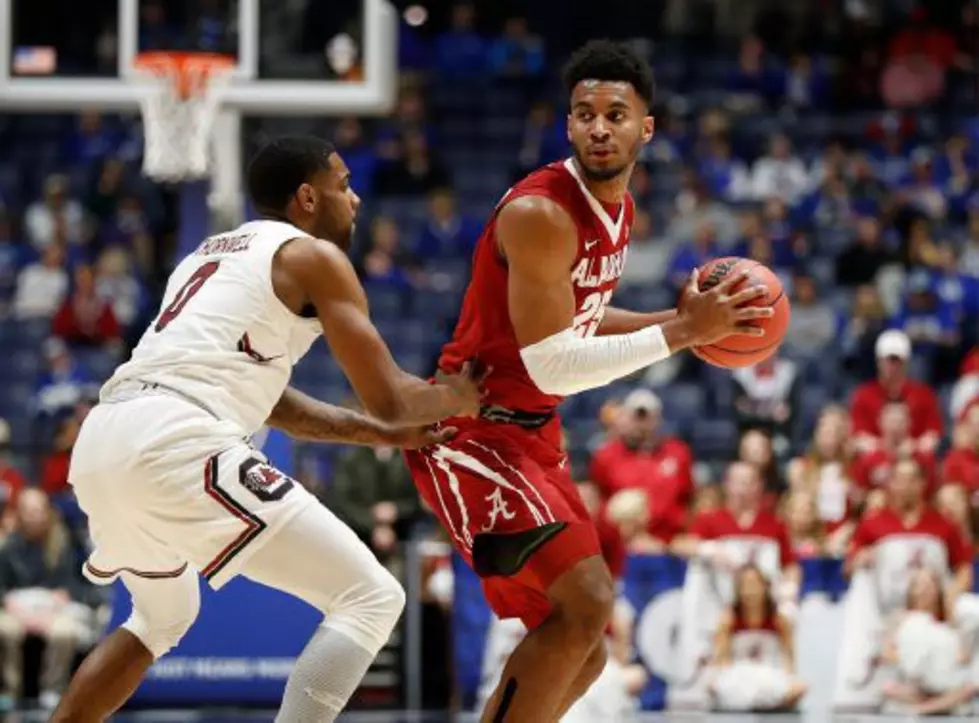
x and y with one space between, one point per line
830 493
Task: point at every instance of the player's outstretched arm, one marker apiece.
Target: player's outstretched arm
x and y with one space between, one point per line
317 272
539 241
303 417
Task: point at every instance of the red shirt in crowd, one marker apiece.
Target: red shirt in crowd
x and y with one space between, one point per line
887 523
873 469
664 472
961 466
11 483
83 320
666 521
54 473
721 524
870 397
932 42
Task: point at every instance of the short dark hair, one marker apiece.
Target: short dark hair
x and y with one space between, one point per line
282 165
607 60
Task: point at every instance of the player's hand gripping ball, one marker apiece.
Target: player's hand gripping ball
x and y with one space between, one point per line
739 350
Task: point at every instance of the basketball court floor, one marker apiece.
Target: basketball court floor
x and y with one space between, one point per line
405 717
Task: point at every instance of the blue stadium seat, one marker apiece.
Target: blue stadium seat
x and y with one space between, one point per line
390 328
419 364
434 305
823 271
16 400
21 433
683 403
19 363
589 402
720 389
823 371
385 301
812 400
35 331
919 366
628 297
10 183
333 393
657 297
714 438
319 369
99 362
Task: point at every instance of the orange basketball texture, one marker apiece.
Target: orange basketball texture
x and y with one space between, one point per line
743 351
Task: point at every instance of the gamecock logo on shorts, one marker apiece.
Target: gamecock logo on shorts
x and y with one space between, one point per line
263 480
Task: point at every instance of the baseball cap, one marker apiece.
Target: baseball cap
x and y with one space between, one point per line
893 343
643 400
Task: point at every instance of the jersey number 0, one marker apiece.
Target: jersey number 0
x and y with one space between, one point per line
186 293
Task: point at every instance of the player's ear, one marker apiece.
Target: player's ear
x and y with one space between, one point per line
306 197
648 128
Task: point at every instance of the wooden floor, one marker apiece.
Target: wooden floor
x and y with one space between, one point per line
191 716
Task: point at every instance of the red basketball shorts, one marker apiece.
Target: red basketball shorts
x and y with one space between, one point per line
518 521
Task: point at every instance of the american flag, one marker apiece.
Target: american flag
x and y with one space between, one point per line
35 60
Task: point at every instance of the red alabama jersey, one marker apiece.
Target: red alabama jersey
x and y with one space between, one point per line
484 331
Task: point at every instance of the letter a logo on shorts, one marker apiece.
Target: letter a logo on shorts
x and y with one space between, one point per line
499 508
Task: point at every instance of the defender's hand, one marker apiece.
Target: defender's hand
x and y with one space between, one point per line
418 437
467 385
718 313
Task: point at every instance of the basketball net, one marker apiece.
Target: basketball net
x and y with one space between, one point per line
180 98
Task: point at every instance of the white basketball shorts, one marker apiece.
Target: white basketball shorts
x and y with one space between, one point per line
166 485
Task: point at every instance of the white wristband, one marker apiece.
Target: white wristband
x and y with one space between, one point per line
565 364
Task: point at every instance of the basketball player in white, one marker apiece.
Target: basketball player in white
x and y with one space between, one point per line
170 484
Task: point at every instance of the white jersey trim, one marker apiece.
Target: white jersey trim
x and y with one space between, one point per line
612 228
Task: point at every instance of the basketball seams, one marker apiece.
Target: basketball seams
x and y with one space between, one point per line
726 357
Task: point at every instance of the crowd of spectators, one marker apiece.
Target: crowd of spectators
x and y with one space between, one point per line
78 275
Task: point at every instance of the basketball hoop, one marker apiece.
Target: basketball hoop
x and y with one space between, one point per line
181 94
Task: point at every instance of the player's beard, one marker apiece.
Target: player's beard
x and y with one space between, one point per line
606 174
340 232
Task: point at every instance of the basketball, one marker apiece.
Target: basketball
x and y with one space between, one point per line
744 351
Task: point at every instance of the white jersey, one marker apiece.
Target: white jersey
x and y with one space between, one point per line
223 338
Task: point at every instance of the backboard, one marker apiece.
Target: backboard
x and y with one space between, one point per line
294 58
50 59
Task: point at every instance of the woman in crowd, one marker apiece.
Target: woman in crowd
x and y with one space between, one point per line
806 530
824 474
952 500
931 655
755 447
754 651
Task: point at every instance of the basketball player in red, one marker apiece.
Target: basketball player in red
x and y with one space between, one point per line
537 315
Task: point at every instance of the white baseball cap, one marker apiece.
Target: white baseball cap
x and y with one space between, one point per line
643 400
893 343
